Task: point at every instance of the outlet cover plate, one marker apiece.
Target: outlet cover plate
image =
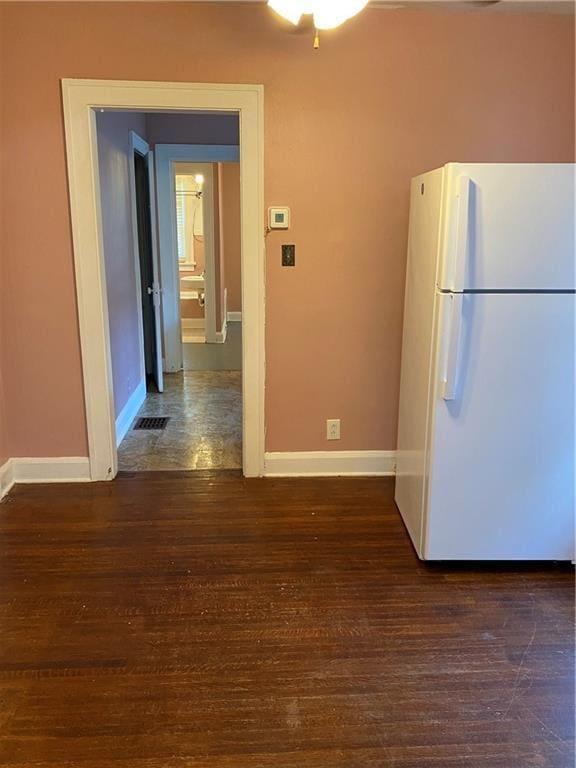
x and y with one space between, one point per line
332 429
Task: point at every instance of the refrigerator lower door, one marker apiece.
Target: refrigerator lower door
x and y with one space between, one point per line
502 441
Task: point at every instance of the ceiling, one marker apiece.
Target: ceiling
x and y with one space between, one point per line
565 7
484 6
487 6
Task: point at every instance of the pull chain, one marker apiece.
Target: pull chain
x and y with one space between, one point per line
316 39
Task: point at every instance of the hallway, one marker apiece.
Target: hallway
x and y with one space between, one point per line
215 357
204 430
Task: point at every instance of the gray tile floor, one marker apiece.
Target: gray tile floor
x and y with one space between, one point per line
205 427
216 357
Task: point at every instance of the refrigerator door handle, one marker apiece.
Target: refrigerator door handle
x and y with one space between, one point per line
454 345
464 187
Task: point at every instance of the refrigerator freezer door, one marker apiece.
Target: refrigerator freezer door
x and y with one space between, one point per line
508 227
502 452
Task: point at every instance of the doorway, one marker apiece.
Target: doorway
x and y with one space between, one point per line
81 100
193 186
205 161
190 418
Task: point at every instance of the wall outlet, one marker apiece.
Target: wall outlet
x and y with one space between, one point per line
332 429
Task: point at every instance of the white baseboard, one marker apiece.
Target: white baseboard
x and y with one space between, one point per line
330 463
76 469
234 317
6 477
221 335
60 469
128 413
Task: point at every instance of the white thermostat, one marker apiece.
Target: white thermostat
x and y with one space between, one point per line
279 218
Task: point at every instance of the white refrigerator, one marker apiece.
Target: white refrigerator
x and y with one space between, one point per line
485 467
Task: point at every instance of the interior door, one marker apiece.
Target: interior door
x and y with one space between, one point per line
156 290
502 453
149 279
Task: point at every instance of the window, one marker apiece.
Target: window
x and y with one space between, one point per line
189 216
180 220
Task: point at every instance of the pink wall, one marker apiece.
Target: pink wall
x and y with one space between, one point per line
4 440
231 243
4 443
389 94
114 157
4 450
219 275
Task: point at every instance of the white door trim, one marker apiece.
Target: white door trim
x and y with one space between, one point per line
80 99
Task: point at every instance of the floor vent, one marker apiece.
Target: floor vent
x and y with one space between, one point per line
152 422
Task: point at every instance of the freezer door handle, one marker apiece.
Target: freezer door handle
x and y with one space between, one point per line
454 344
464 187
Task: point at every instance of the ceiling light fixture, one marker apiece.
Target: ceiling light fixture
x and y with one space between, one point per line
327 14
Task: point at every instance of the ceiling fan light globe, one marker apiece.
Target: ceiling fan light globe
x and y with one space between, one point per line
291 10
329 14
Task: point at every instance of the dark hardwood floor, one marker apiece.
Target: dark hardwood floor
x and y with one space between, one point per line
206 621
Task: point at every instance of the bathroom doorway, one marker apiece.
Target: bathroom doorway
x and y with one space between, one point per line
193 192
208 238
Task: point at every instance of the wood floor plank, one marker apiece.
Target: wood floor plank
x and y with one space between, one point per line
202 620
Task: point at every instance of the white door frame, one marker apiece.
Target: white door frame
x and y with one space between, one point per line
166 156
80 99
